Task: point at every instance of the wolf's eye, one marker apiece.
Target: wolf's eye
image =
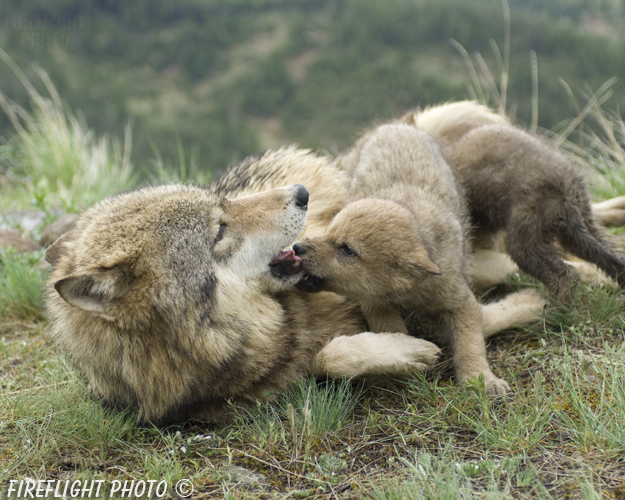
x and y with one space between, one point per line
347 251
220 234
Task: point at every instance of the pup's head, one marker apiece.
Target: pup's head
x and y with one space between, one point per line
371 249
173 247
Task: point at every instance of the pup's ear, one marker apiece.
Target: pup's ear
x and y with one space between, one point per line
57 249
420 259
93 292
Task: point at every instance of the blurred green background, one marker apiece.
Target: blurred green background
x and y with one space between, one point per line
221 79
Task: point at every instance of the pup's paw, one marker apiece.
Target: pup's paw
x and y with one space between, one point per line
493 385
496 387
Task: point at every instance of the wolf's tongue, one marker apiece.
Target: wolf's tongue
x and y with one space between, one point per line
286 263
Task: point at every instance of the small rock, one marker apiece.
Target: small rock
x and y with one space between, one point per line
58 228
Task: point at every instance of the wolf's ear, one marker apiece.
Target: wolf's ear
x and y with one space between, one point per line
91 292
57 249
420 259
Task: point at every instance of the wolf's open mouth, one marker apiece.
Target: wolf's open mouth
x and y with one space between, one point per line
285 264
311 284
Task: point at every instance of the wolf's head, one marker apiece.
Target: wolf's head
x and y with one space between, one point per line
154 276
175 240
371 249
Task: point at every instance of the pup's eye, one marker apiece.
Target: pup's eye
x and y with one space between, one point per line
220 234
347 251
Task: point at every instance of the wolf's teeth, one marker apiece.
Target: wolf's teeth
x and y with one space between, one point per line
296 263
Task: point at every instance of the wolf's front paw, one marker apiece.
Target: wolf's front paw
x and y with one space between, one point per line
420 354
392 355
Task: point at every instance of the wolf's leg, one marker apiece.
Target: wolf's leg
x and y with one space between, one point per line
488 268
520 308
610 213
584 239
385 354
591 274
383 319
469 349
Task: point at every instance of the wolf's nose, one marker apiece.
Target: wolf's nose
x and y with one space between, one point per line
299 249
301 196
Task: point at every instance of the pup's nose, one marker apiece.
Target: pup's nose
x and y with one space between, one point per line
301 196
299 249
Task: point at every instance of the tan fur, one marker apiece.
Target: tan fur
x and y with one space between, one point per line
489 268
610 213
400 242
450 121
381 354
524 307
166 303
290 165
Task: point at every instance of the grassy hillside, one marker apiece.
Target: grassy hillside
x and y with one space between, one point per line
224 79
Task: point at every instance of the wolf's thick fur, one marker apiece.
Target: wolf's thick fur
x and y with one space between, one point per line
400 242
166 301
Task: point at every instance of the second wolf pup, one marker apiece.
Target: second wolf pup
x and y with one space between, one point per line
400 243
516 182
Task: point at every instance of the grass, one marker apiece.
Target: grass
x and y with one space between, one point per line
559 435
56 158
21 294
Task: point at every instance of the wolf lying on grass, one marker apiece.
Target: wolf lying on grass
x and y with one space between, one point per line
517 183
178 302
400 243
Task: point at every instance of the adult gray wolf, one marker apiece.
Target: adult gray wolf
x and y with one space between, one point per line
177 301
400 243
517 183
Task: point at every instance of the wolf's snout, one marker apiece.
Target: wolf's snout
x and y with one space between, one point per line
301 196
299 249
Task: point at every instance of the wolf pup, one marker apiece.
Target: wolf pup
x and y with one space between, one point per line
400 242
517 183
178 302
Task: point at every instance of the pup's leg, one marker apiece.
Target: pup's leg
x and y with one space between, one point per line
531 246
520 308
383 319
469 349
386 354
